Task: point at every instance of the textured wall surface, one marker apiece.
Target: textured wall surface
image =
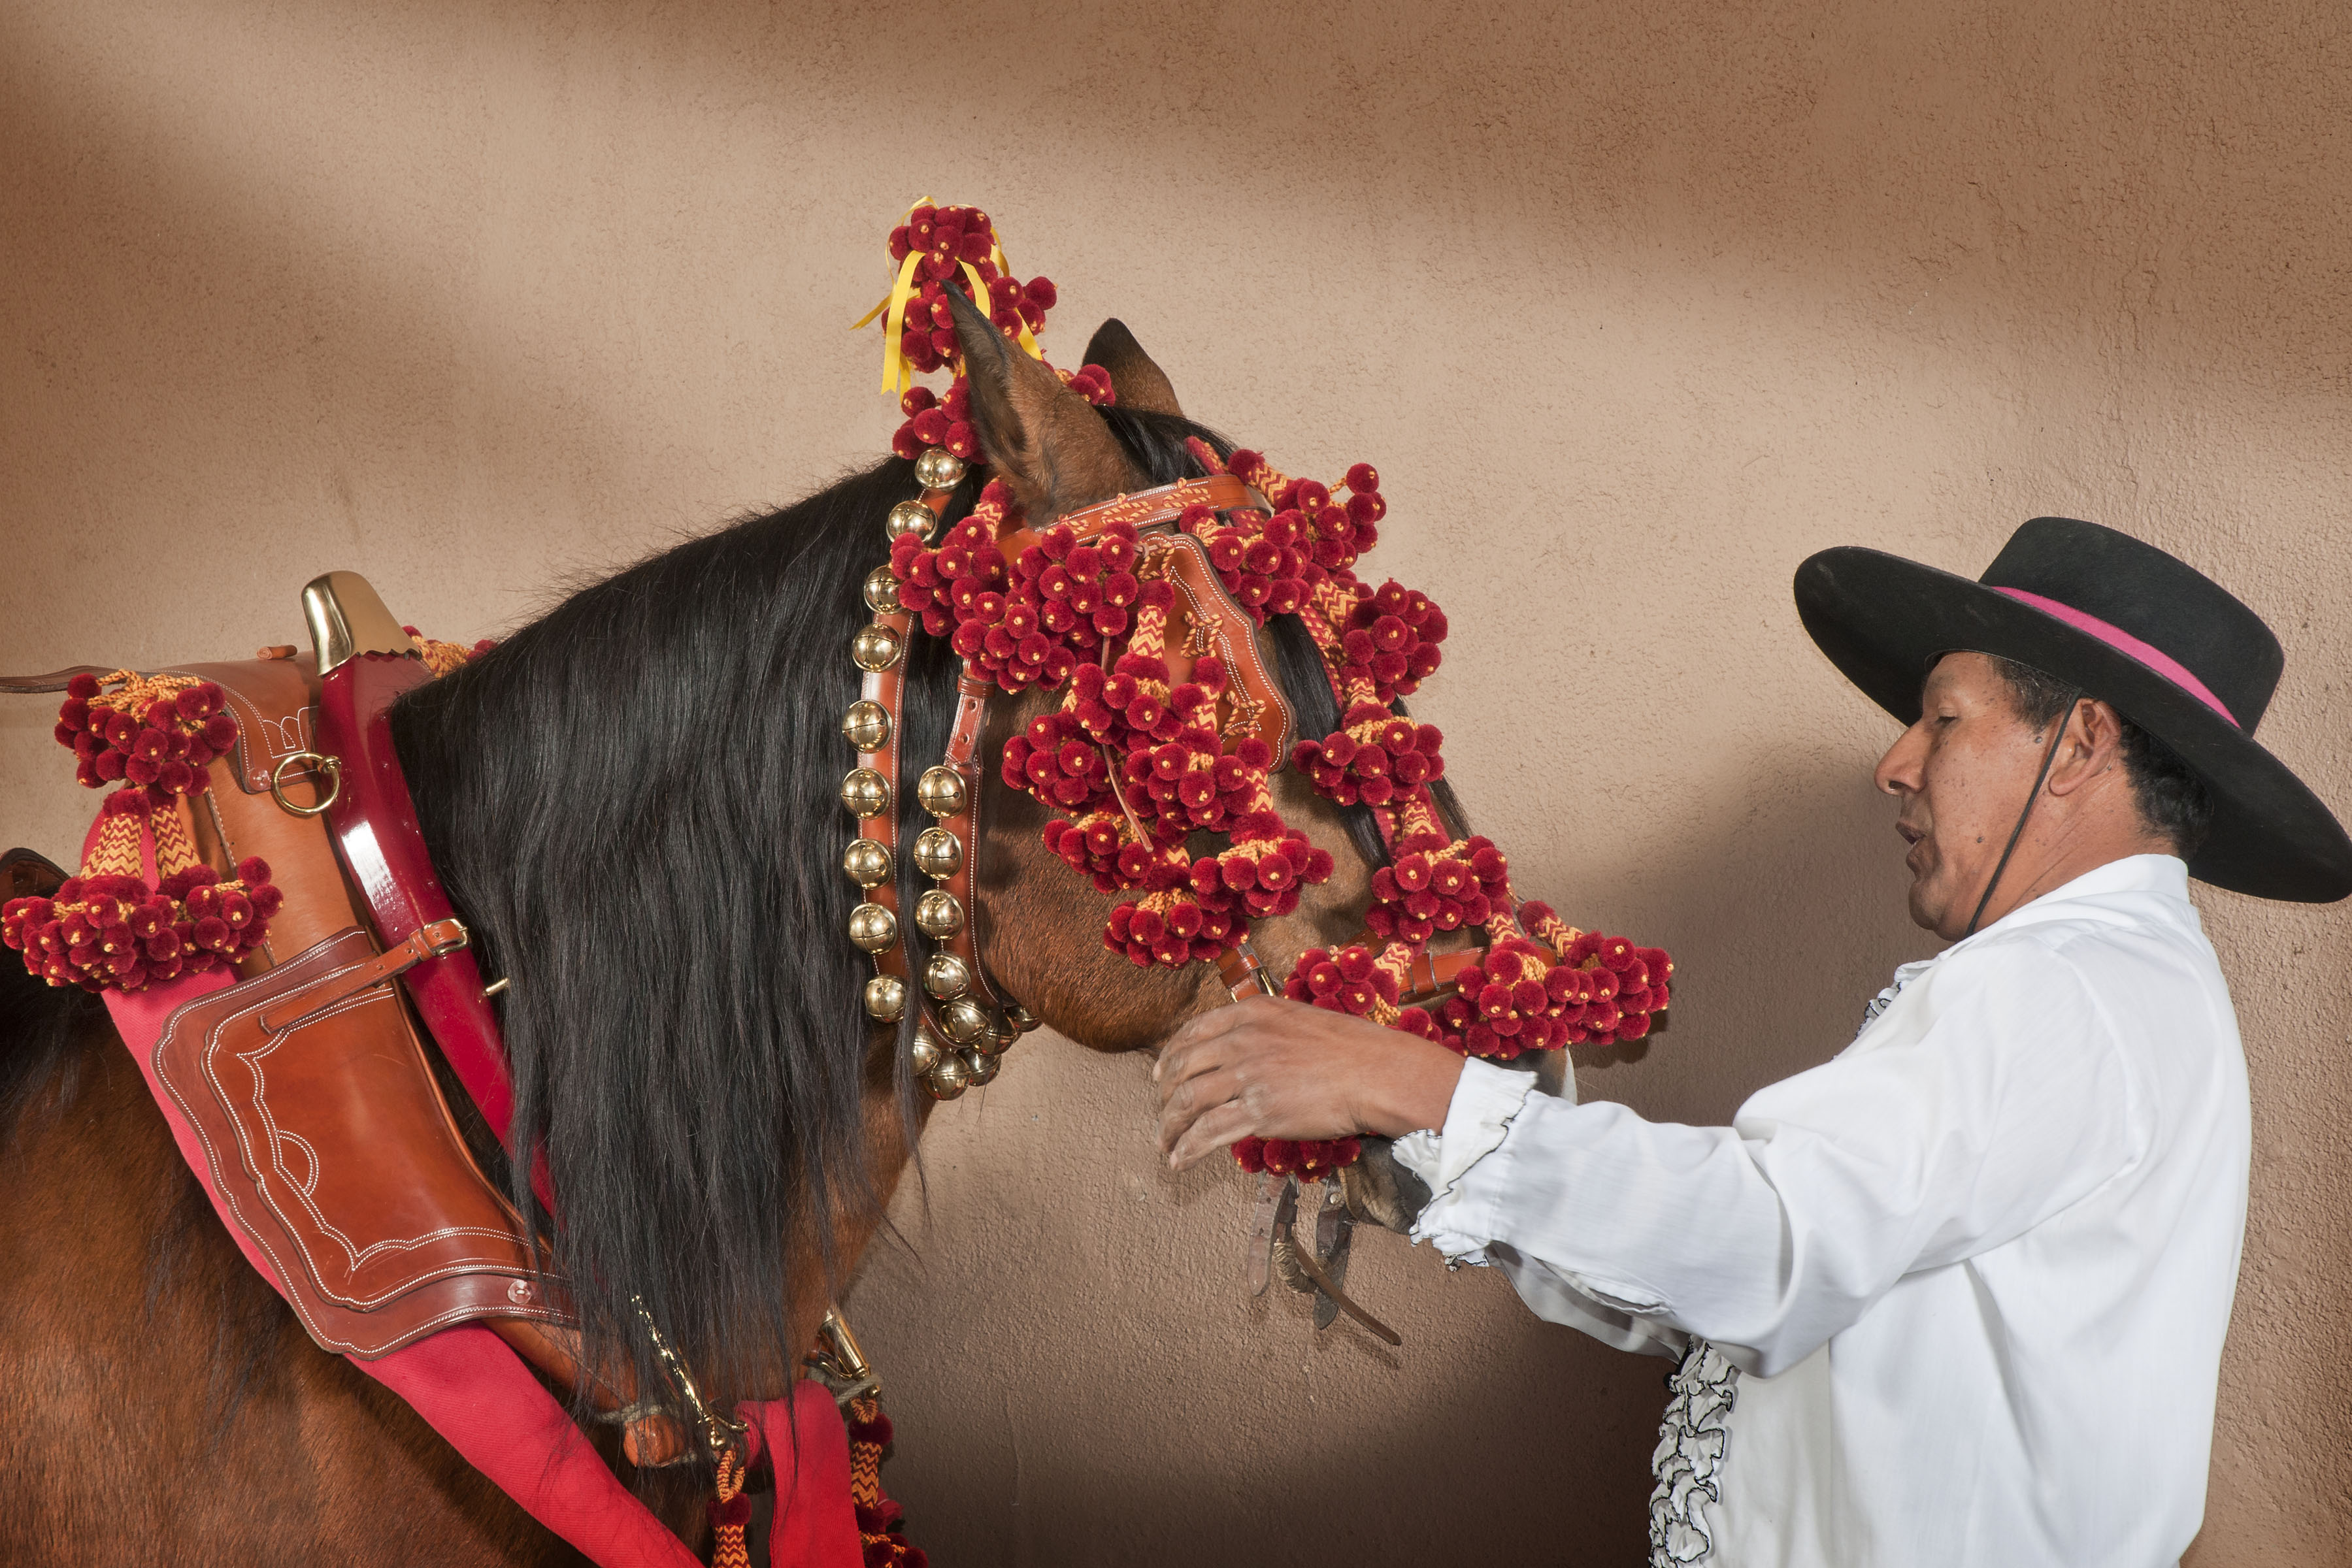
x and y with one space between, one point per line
1634 306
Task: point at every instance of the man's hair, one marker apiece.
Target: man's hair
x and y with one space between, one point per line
2173 802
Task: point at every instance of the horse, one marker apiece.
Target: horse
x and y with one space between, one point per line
632 803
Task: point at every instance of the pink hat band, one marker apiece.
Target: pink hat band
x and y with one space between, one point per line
2123 642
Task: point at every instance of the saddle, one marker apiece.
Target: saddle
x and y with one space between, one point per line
324 1127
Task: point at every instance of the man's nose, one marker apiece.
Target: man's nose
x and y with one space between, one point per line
1898 772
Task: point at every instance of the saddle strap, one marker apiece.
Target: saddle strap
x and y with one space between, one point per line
55 680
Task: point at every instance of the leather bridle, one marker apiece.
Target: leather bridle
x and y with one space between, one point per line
964 1022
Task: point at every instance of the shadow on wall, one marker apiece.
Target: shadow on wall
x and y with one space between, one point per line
1143 1410
1813 856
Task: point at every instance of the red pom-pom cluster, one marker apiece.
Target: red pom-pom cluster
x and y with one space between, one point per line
1091 382
1288 1156
1054 760
933 420
1346 981
1390 638
1429 886
1261 562
103 931
1519 997
947 240
158 735
1026 622
1330 533
1378 758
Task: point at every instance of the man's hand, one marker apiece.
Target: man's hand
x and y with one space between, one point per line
1268 1068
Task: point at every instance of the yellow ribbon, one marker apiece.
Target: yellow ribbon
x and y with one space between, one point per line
898 374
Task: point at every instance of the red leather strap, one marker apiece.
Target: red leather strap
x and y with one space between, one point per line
1434 973
1206 620
963 756
1245 972
375 831
1145 508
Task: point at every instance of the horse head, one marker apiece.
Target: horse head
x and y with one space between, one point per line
632 801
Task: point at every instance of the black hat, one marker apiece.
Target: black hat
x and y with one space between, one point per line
2168 646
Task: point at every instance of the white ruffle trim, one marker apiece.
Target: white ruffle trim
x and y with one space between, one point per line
1476 1122
1688 1463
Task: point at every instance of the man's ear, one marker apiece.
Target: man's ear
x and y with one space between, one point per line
1041 438
2093 746
1140 384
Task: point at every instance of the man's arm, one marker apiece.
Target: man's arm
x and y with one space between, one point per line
2005 1099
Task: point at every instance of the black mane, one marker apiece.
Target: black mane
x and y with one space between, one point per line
632 804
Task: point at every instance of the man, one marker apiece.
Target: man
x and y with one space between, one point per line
1976 1270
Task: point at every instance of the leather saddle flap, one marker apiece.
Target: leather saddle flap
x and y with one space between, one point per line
333 1150
275 704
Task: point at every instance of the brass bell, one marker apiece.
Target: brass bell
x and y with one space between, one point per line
949 1077
939 469
924 1054
910 518
965 1020
946 976
979 1066
876 647
1022 1019
866 793
881 591
1007 1034
867 862
886 999
938 854
873 927
867 726
941 791
937 915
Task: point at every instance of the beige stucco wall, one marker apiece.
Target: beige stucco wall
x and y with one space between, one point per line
1634 306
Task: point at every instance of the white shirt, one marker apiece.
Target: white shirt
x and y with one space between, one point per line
1977 1269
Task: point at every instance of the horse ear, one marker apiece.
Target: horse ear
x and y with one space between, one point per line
1041 438
1140 384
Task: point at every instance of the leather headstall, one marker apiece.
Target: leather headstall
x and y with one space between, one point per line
1214 620
961 1004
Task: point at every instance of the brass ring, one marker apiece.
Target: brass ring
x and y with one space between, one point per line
332 766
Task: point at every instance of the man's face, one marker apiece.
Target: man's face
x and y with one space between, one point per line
1962 773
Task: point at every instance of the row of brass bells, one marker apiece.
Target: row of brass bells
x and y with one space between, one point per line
939 854
974 1040
975 1037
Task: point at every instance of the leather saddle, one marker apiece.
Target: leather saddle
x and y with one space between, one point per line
324 1127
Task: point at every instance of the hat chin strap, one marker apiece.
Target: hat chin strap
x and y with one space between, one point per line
2066 717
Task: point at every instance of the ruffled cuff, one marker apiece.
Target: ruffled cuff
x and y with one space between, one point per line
1476 1122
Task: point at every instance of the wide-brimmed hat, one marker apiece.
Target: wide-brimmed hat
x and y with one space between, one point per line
2169 647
